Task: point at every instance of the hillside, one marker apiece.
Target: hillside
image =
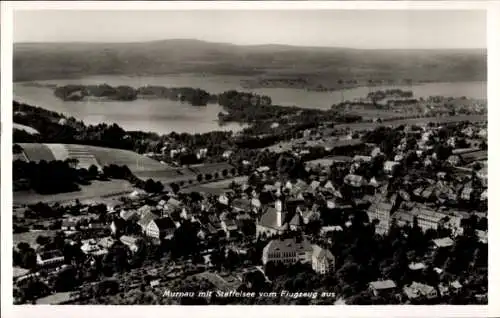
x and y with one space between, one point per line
100 156
40 61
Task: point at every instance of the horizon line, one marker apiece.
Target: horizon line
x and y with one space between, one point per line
252 45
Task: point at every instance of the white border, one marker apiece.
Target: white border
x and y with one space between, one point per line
8 310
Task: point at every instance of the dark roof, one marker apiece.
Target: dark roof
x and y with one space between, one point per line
211 229
241 204
475 156
50 254
214 219
268 218
288 245
164 223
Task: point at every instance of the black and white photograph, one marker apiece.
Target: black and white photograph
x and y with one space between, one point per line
249 157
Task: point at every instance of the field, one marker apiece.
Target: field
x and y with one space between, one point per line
103 156
37 152
414 121
97 189
217 187
25 128
223 184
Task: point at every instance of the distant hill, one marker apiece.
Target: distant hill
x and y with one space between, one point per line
39 61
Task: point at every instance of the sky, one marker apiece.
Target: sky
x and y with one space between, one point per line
366 29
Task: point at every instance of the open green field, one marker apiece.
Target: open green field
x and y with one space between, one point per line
103 156
97 189
413 121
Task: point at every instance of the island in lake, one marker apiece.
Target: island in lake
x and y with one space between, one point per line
193 96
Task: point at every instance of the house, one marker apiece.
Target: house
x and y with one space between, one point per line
223 199
201 153
92 248
293 250
69 224
403 218
325 230
173 206
287 251
130 242
106 242
467 192
354 180
482 236
417 290
380 211
322 260
456 286
314 185
390 166
428 219
241 205
117 226
329 186
358 158
483 176
52 258
454 160
382 287
417 266
375 152
162 228
214 220
263 169
310 215
228 224
443 242
146 218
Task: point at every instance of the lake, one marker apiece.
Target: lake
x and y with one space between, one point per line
164 116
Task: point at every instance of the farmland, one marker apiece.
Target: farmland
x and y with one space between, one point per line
27 129
96 190
414 121
38 152
103 156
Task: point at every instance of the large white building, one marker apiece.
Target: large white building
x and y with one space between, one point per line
380 211
293 250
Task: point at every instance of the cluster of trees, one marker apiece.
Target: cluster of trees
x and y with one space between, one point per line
389 93
194 96
48 177
81 92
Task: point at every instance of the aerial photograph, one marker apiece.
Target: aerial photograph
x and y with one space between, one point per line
250 157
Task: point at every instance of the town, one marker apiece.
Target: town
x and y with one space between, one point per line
393 214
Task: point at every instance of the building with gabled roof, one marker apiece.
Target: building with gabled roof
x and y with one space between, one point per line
381 286
146 218
161 228
417 290
322 260
49 258
443 242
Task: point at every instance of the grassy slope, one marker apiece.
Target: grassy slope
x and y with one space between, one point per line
66 60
